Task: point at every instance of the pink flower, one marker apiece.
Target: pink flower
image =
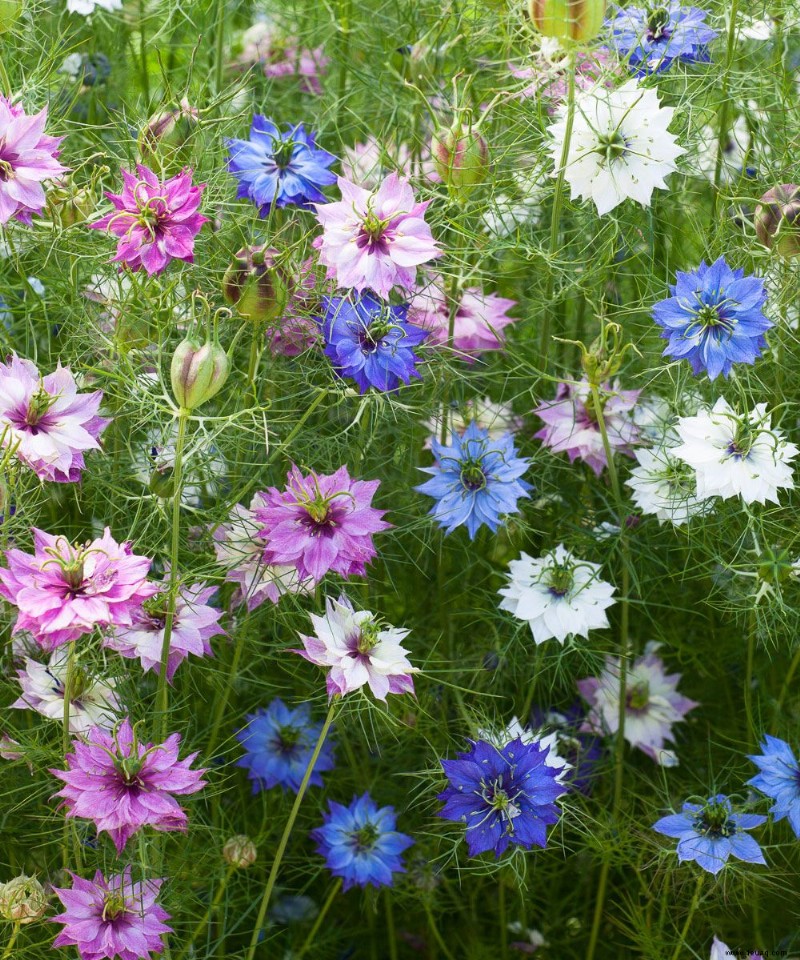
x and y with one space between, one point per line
283 57
63 591
27 159
548 75
155 221
571 424
123 785
46 421
321 523
375 239
112 918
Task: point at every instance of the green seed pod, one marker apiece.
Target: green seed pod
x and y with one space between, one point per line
198 372
461 157
255 285
568 19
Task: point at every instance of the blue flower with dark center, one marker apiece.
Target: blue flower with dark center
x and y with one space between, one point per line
370 341
475 481
281 168
652 38
360 843
714 318
710 832
278 743
780 779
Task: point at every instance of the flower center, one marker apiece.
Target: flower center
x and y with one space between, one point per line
743 440
288 738
6 171
472 475
38 405
365 838
113 906
156 606
657 23
368 636
612 146
496 795
714 821
708 317
370 337
638 696
282 151
560 579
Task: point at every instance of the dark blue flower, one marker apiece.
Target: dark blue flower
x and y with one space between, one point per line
370 341
710 832
278 743
779 779
282 168
714 318
476 480
360 843
503 795
652 38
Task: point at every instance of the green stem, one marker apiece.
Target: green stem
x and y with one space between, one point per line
689 916
748 675
390 929
787 681
344 66
318 922
435 931
145 74
210 911
219 54
724 109
69 686
501 908
11 941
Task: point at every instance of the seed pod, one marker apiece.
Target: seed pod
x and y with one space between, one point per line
22 900
239 852
69 204
255 285
169 128
777 220
198 372
568 19
461 157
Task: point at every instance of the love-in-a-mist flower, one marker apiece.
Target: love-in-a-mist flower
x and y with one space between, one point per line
504 795
711 832
358 648
664 486
779 778
652 38
278 743
155 221
321 523
279 169
620 146
475 481
63 591
652 704
361 843
581 751
514 730
370 341
46 422
375 239
86 7
122 784
558 595
721 951
112 918
714 318
736 455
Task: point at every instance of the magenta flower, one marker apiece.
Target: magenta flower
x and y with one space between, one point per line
27 159
375 239
156 222
112 918
47 423
321 523
63 591
123 785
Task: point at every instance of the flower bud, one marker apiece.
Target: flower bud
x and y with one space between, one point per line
239 852
568 19
168 128
255 286
69 204
777 219
461 157
198 372
9 13
22 900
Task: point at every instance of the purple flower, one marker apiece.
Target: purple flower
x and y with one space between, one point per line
779 778
653 38
721 951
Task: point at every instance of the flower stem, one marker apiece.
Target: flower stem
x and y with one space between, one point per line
724 108
69 685
390 929
501 907
435 930
318 922
787 681
207 916
219 54
689 916
11 941
145 75
748 675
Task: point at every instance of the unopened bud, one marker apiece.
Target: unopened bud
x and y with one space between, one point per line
461 157
777 219
255 285
198 372
22 900
568 19
239 852
69 204
168 128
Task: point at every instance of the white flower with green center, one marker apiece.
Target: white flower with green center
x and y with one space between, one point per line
664 486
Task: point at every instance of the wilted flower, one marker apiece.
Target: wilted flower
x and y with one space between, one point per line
22 900
239 852
574 20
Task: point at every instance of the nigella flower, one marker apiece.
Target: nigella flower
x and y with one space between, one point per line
503 795
155 222
664 486
112 918
721 951
47 423
280 169
514 730
122 784
714 318
370 341
475 480
711 832
86 7
278 742
779 778
360 843
653 38
581 751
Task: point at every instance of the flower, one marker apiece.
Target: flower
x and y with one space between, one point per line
496 419
370 341
112 919
620 147
710 832
664 486
359 648
46 422
475 480
284 169
571 423
721 951
239 852
321 523
714 318
375 239
369 162
581 751
514 730
63 591
155 221
779 778
360 843
652 704
547 75
504 795
28 157
653 38
557 594
283 56
86 7
734 455
278 742
123 785
22 900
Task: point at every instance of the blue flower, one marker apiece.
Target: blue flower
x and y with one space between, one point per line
779 779
710 832
503 795
370 341
652 38
360 843
475 481
714 318
282 168
278 743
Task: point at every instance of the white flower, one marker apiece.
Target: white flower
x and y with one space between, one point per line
558 595
515 730
620 146
664 486
85 7
735 455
